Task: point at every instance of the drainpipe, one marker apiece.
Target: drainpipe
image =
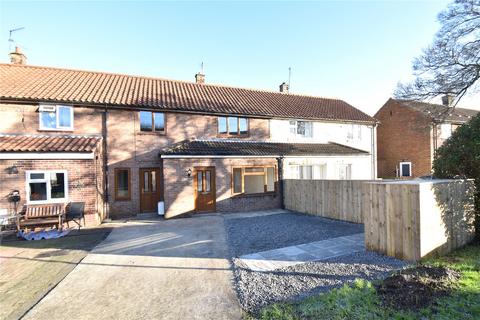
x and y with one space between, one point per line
105 163
280 180
374 151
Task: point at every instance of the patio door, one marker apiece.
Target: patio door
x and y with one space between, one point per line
204 184
150 189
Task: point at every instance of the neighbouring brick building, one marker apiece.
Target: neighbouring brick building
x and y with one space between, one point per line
123 144
409 133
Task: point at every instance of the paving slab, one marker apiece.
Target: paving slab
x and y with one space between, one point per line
314 251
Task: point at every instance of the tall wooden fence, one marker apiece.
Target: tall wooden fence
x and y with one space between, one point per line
403 219
335 199
410 220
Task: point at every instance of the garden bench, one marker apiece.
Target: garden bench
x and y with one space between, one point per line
44 214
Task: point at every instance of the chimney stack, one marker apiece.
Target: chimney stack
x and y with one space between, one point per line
18 57
447 100
284 88
200 78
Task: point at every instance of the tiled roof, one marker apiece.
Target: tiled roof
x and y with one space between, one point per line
31 83
44 143
440 112
255 148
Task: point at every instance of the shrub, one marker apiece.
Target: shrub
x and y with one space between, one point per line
459 157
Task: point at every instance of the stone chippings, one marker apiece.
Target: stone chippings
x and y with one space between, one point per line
256 234
258 289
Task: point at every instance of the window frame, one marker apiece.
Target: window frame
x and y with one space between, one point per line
48 186
129 183
153 131
239 132
265 179
401 163
57 119
443 126
293 124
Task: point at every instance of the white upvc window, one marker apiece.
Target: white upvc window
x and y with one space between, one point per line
56 117
303 129
445 130
46 186
405 169
308 172
354 132
345 171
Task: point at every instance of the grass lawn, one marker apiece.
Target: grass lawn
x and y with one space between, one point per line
30 269
360 301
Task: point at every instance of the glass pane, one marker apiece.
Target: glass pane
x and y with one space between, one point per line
207 181
145 121
122 183
36 176
222 125
233 125
57 185
307 172
38 191
254 169
154 181
293 127
159 121
308 129
301 128
237 180
199 181
64 117
48 119
405 170
270 179
146 184
254 184
243 125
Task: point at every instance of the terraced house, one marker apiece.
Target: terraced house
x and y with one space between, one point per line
127 144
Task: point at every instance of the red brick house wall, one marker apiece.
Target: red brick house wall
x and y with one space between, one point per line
84 183
179 188
403 135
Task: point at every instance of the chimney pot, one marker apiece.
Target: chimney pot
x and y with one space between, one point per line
200 78
447 100
18 57
284 88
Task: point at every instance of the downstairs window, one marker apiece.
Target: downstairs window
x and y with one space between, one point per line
47 186
253 180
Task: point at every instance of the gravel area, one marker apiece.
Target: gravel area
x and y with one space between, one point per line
258 289
250 235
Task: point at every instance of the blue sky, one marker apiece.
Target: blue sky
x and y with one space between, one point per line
356 51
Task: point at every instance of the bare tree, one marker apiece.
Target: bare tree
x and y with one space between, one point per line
451 65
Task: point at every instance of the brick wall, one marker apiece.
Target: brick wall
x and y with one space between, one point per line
403 135
83 179
179 188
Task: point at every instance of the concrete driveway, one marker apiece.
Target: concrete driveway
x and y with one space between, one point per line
175 269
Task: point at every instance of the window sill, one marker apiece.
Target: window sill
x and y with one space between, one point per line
250 195
55 130
153 133
226 135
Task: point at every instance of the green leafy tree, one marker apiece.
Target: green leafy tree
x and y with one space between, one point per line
459 157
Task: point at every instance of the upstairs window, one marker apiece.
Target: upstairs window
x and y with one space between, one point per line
303 129
232 126
152 121
354 132
445 130
46 186
56 117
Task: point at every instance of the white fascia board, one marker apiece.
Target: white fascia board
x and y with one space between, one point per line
45 155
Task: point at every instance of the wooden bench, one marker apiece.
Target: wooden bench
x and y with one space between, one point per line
42 214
